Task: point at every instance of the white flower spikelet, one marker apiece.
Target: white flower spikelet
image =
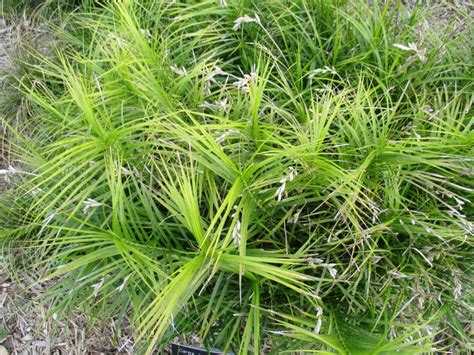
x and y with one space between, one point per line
319 314
324 70
290 177
90 203
393 333
146 32
245 19
236 233
244 82
120 41
46 221
329 266
121 287
209 77
223 136
412 47
332 270
457 292
178 71
96 287
10 171
218 105
223 3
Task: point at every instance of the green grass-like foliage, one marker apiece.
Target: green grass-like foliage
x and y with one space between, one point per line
296 180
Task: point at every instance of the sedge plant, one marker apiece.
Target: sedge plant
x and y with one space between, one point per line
273 177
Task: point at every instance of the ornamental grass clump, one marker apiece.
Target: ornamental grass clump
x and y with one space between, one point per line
287 176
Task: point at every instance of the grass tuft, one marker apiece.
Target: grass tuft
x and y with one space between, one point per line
292 176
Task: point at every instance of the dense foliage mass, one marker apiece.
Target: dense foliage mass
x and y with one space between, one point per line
270 176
